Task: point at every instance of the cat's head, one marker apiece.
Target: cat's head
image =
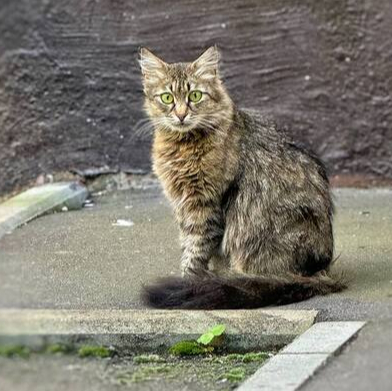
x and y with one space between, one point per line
184 96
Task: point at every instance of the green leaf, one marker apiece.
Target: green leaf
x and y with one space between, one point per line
211 334
206 338
218 330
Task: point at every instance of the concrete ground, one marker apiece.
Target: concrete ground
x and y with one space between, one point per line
364 365
99 257
84 260
70 373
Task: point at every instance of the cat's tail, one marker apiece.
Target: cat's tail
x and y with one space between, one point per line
206 290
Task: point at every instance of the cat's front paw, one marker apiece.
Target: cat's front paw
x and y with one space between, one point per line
190 268
192 272
187 272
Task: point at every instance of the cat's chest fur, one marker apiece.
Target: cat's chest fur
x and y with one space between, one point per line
189 168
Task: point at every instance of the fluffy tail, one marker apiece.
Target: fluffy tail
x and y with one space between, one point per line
206 290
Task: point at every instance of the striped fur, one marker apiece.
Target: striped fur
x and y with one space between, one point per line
251 205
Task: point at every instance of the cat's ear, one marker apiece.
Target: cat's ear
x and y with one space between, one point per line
153 68
206 66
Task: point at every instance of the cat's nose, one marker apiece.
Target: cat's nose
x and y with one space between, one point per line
181 116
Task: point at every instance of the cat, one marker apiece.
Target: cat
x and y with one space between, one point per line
253 208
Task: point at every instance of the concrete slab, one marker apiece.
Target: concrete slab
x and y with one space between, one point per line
323 337
284 373
362 366
39 200
133 330
296 363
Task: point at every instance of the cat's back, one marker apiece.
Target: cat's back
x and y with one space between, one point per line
271 160
262 143
259 131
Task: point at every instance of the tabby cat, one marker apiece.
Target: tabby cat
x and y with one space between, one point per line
253 208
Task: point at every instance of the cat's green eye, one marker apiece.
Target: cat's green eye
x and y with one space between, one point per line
167 98
195 96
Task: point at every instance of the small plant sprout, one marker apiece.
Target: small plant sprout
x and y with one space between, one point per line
203 345
211 335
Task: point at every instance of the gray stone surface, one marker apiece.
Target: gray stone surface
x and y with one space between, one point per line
363 231
133 330
48 372
71 97
83 260
323 337
285 372
298 361
39 200
364 365
86 260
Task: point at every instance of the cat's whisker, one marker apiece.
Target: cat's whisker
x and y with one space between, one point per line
142 132
144 129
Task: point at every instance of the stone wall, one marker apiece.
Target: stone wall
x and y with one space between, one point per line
70 93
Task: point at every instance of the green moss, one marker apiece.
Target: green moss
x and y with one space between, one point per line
189 348
58 349
94 351
147 373
235 374
255 357
14 351
148 358
209 371
245 358
144 373
233 357
124 379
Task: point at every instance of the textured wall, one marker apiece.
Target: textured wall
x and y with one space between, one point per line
70 95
